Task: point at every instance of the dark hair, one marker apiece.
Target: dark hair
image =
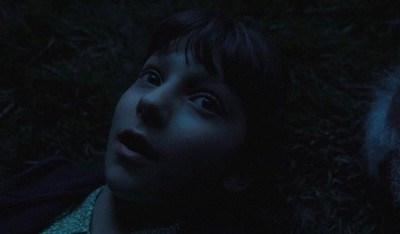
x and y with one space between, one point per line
251 64
253 68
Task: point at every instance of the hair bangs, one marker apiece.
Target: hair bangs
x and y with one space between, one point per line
251 65
208 38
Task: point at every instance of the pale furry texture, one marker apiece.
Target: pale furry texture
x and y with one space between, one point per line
395 181
381 139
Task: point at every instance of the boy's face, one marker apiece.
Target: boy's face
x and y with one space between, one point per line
173 131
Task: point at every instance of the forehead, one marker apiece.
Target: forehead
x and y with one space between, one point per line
183 61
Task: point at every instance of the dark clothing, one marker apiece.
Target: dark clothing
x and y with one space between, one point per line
31 200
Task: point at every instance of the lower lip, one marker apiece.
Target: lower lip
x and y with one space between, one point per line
128 154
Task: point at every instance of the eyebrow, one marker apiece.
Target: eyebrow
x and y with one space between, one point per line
204 75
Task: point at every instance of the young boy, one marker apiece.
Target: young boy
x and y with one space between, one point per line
187 136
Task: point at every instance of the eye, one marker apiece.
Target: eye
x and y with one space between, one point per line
151 76
208 103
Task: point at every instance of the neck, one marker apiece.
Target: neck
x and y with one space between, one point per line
117 215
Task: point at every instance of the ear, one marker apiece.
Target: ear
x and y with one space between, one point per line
237 183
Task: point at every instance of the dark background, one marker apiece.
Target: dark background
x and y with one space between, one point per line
63 65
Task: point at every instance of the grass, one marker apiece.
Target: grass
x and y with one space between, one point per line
65 63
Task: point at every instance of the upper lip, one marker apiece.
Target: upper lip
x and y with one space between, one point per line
135 142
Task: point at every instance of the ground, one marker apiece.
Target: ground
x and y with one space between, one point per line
64 64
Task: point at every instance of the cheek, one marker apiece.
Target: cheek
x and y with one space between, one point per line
126 104
201 142
212 137
124 111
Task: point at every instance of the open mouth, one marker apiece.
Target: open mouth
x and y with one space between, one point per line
134 142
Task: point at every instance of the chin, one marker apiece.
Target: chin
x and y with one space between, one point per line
127 189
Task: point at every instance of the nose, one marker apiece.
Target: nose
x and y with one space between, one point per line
154 108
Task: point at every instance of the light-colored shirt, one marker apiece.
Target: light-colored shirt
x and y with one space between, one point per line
78 219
